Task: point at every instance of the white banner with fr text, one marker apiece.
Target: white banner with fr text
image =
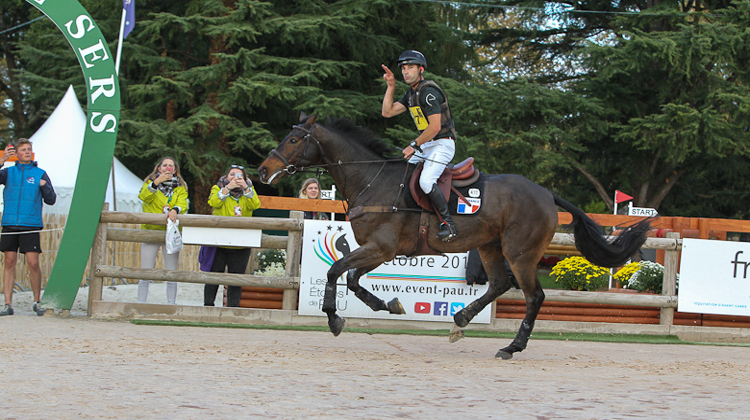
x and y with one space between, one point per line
714 277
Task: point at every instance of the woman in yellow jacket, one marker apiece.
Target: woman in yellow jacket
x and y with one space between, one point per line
165 192
233 195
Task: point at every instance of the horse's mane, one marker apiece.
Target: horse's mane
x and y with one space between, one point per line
361 135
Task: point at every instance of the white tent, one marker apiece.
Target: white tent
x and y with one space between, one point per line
57 148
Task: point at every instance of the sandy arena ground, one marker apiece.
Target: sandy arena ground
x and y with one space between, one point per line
74 367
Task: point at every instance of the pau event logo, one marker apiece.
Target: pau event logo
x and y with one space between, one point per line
331 245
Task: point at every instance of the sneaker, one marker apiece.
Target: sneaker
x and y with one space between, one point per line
38 309
7 310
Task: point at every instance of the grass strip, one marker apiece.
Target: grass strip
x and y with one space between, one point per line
560 336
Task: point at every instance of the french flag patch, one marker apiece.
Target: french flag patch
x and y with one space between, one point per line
470 206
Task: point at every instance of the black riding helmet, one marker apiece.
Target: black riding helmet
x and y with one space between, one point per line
412 57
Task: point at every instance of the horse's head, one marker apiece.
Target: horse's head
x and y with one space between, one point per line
298 149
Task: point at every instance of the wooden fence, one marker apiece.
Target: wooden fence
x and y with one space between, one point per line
117 252
98 267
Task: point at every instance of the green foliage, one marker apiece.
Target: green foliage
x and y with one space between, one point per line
595 207
577 273
583 103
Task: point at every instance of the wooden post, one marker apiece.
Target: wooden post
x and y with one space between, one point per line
669 286
703 228
98 254
293 258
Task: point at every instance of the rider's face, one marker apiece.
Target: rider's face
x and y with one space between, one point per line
411 73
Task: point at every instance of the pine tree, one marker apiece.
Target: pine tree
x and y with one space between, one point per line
639 101
218 82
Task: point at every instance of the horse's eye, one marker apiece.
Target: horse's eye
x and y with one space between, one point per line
293 140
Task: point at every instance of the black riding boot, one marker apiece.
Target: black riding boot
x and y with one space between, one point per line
448 231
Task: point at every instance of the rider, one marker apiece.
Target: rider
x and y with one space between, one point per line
429 109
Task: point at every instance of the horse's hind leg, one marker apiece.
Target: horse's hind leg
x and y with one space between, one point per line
499 283
532 290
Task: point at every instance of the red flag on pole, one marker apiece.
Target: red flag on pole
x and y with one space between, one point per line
621 196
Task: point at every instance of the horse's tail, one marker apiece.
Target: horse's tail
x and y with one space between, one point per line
592 243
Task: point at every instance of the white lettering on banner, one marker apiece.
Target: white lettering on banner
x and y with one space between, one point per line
99 84
93 50
98 128
39 1
430 287
642 211
81 31
713 277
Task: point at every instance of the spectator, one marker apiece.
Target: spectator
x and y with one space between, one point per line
311 190
233 195
164 192
26 187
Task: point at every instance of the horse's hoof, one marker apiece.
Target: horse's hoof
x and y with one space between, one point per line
395 307
507 353
336 325
456 334
503 355
460 319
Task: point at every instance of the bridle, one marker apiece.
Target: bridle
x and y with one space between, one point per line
291 168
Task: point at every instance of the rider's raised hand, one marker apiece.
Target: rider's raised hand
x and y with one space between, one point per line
389 78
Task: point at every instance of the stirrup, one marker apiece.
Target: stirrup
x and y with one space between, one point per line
447 235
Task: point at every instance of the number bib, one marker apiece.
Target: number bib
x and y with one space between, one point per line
418 116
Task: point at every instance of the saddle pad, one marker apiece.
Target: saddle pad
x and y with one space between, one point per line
474 193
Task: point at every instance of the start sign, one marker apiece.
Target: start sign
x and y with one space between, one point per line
642 211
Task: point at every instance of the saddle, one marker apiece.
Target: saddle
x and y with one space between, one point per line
454 176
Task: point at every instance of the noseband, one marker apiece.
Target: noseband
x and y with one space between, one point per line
290 167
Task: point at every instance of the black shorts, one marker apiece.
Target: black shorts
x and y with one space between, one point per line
23 243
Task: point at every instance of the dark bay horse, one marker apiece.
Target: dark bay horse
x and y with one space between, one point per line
517 222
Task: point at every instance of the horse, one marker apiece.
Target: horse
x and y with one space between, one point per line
517 222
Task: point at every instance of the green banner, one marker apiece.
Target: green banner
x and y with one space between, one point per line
103 97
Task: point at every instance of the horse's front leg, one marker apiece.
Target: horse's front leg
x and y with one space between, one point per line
374 302
359 262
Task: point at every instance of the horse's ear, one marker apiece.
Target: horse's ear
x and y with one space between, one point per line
302 116
311 121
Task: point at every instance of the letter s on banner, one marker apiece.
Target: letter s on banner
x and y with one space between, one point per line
98 128
81 31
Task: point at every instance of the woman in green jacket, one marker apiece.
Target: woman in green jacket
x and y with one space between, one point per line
165 192
233 195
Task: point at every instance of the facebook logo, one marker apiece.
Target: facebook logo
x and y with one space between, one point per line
441 309
456 307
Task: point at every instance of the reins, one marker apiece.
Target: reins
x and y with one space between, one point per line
293 169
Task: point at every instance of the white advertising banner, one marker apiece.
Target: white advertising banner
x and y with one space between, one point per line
430 287
714 277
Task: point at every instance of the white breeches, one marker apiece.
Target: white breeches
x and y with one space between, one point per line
436 154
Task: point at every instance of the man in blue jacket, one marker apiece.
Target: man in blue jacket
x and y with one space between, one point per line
26 186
